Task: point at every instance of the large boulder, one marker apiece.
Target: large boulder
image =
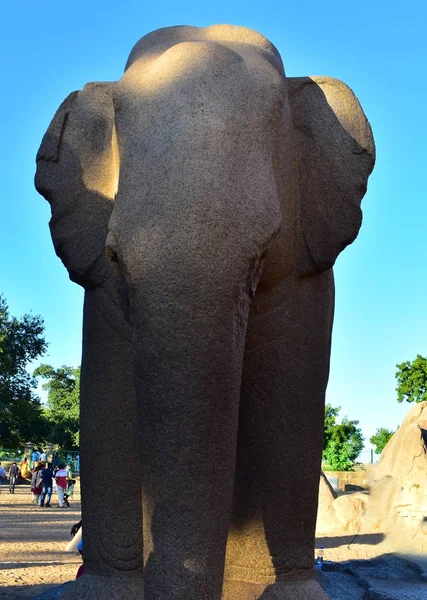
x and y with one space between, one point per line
338 515
398 501
404 461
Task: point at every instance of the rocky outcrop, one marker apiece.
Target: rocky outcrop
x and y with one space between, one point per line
338 514
404 460
397 500
399 483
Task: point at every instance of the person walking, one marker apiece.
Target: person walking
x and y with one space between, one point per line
2 474
37 484
47 476
13 475
61 482
70 483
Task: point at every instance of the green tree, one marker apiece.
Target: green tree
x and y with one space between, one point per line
331 414
412 380
62 411
342 442
21 414
381 438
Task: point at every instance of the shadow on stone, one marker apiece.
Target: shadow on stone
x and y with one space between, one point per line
53 593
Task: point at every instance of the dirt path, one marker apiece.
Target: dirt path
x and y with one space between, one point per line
32 542
33 539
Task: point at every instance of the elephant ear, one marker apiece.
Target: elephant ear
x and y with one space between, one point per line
77 172
336 154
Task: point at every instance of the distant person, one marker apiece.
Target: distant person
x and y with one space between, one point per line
61 482
13 475
70 481
54 485
55 459
2 474
54 481
37 484
25 469
35 455
47 477
77 463
69 491
43 457
70 486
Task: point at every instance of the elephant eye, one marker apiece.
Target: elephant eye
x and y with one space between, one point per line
111 255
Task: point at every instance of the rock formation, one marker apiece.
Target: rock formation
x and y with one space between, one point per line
397 501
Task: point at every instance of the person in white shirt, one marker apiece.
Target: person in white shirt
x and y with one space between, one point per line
61 483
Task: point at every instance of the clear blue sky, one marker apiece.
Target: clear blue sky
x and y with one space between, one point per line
51 48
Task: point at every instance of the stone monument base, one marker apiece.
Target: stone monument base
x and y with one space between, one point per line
296 590
389 576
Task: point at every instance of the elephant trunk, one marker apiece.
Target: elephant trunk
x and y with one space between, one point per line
189 295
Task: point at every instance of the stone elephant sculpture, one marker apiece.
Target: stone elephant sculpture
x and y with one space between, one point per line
201 201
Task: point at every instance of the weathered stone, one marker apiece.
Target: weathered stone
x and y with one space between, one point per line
327 494
396 506
398 484
222 193
342 515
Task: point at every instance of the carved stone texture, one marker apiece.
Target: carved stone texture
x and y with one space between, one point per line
220 192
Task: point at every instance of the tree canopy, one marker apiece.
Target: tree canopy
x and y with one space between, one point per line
381 438
412 380
21 341
62 411
342 442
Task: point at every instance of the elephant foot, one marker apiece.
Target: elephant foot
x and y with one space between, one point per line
96 587
294 590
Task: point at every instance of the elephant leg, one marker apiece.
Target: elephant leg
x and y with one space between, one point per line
110 458
286 366
189 336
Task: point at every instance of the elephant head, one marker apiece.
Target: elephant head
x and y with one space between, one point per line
204 176
78 163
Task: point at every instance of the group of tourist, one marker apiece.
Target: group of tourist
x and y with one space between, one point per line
39 456
45 480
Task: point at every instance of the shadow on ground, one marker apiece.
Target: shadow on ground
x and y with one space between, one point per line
388 577
42 590
24 565
371 539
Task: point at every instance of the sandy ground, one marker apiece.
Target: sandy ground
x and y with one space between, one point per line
32 542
